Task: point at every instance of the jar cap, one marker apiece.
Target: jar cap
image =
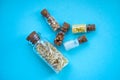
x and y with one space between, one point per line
45 13
82 39
33 37
65 27
90 27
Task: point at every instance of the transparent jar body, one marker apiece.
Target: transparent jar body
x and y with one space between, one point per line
79 28
50 55
52 22
71 44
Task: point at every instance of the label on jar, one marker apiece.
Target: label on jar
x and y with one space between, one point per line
71 44
79 28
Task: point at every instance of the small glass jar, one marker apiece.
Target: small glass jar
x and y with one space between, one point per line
83 28
50 20
48 52
74 43
60 35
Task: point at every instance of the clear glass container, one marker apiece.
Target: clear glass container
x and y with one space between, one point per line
53 57
83 28
50 20
61 34
71 44
74 43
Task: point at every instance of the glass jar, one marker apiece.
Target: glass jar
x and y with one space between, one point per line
48 52
50 20
83 28
74 43
60 35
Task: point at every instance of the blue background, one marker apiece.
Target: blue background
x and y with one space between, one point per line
98 59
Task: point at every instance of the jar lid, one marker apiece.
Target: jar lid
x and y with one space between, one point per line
45 13
90 27
33 37
82 39
65 27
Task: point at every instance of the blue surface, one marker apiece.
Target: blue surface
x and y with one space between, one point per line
98 59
